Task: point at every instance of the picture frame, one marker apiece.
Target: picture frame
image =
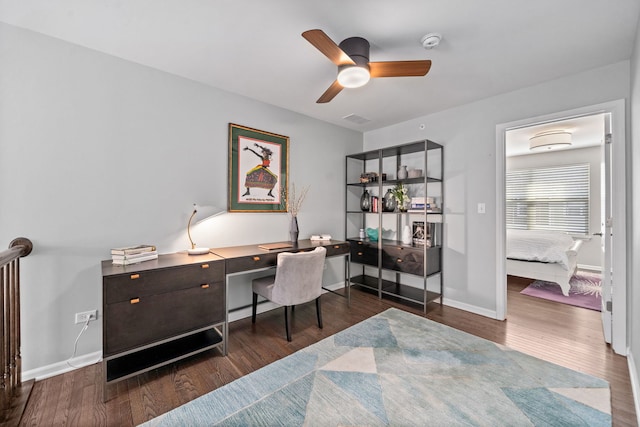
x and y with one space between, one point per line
421 234
258 170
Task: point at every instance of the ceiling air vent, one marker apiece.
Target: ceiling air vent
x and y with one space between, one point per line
359 120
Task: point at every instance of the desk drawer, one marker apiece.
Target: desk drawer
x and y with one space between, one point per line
145 320
337 249
134 285
252 262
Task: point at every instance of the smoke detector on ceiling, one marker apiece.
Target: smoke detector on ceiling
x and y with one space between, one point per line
431 40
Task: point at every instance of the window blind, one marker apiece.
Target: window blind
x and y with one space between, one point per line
550 198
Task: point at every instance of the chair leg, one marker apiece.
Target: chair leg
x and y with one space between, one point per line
287 323
319 312
254 307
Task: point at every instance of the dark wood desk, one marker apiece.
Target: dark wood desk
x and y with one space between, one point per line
244 259
157 312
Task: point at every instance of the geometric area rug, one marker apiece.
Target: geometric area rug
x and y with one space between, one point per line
399 369
585 291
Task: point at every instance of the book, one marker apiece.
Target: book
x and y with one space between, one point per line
423 200
134 256
130 250
272 246
432 210
320 237
129 261
422 206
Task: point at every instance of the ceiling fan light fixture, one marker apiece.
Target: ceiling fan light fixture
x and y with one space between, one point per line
353 76
550 140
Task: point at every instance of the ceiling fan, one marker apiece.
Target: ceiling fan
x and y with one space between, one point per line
354 69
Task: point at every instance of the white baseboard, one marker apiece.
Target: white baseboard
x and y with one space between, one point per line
492 314
243 313
335 286
62 367
635 384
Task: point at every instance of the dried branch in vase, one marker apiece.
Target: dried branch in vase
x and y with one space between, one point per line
295 199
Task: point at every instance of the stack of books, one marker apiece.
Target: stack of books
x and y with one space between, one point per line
374 204
422 204
133 254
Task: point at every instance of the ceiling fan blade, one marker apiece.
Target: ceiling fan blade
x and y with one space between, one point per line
324 44
399 68
330 93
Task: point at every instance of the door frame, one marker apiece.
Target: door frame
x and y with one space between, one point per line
620 253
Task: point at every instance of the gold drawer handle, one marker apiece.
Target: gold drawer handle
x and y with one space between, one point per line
359 253
399 260
359 243
205 266
256 258
135 276
135 300
205 286
400 247
336 247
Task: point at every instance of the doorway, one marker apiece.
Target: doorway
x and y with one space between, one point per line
615 225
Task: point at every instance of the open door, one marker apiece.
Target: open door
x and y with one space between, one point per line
606 229
613 227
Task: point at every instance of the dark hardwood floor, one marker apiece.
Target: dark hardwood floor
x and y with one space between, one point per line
568 336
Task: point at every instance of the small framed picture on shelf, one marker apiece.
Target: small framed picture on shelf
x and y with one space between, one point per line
420 234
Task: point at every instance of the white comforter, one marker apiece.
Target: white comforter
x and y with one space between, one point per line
543 246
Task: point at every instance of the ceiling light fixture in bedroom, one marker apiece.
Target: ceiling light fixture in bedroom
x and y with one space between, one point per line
550 140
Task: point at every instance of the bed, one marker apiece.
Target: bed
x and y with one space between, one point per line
542 255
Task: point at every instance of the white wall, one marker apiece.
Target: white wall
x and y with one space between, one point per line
634 291
590 254
468 134
98 152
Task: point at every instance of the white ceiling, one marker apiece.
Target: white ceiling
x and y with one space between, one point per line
254 47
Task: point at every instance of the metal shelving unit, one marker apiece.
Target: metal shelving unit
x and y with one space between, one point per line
387 266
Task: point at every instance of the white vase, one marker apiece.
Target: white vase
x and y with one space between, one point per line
402 172
406 235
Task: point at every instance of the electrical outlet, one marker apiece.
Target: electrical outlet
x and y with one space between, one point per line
86 315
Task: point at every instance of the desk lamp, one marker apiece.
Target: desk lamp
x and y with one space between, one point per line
200 214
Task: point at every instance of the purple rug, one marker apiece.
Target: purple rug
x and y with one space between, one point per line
585 291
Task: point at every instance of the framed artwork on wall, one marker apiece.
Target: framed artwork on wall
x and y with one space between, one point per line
258 170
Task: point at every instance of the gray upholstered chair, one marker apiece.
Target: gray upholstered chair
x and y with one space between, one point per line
298 279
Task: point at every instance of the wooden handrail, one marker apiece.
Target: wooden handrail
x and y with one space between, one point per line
19 247
13 393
